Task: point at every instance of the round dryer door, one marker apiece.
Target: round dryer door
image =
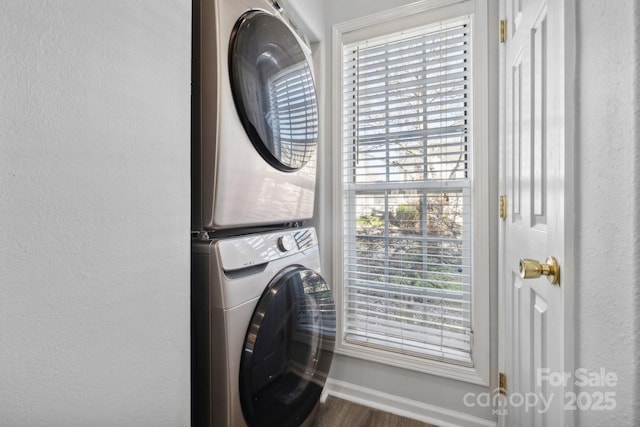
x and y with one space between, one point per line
288 349
274 90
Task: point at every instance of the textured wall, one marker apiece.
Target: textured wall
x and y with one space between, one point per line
94 213
607 174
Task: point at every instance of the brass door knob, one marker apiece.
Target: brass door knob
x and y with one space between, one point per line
532 269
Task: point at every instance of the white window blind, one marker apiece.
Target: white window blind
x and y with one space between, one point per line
407 198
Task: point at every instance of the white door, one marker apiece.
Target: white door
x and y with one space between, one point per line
533 314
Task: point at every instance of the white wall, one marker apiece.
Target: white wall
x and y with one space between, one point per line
608 193
309 15
94 213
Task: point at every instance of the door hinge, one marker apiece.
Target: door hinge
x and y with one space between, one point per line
503 31
502 384
503 207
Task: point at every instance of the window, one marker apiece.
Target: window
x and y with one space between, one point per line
408 183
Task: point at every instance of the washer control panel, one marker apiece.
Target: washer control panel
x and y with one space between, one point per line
253 249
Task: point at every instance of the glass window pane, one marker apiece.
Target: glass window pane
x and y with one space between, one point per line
407 199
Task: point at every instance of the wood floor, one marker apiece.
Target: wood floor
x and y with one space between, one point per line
341 413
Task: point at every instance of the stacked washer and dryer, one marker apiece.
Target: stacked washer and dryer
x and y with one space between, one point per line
263 318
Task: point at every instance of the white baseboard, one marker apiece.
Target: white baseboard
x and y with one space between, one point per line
401 406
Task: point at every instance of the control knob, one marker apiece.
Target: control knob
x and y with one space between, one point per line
286 243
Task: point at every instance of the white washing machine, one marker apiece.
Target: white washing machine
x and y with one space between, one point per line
254 117
263 329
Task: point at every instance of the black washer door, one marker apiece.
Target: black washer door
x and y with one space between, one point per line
288 349
273 90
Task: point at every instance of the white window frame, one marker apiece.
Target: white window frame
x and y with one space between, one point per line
411 16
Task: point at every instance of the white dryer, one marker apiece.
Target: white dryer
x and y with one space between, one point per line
263 330
255 117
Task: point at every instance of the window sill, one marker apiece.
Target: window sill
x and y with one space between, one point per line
427 366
